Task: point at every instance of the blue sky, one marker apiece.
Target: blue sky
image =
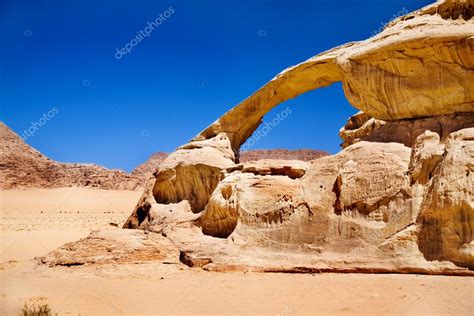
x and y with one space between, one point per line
202 60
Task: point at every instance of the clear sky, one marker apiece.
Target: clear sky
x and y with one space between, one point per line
201 59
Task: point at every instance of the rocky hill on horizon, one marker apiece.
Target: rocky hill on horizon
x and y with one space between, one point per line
146 169
22 166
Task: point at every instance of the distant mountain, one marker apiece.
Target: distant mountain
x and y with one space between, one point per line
282 154
22 166
146 169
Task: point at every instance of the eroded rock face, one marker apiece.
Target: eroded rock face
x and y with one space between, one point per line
363 127
190 173
447 213
420 65
356 193
186 170
114 247
374 207
258 193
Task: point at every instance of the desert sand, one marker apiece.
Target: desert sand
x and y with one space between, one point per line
51 217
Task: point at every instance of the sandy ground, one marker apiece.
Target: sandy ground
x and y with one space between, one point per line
34 222
65 208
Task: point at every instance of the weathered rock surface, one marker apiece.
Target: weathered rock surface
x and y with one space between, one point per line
146 169
374 207
252 192
377 206
22 166
363 127
340 201
114 247
447 213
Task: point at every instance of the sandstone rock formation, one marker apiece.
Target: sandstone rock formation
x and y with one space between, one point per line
114 247
363 127
388 57
447 212
374 207
378 205
22 166
146 169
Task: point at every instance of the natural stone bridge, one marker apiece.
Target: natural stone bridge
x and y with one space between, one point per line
382 198
409 70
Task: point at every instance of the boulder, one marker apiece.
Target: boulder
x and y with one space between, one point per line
113 247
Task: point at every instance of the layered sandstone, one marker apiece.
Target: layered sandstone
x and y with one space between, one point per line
146 169
361 127
447 213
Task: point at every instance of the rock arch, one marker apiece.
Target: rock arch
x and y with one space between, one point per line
399 73
241 121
